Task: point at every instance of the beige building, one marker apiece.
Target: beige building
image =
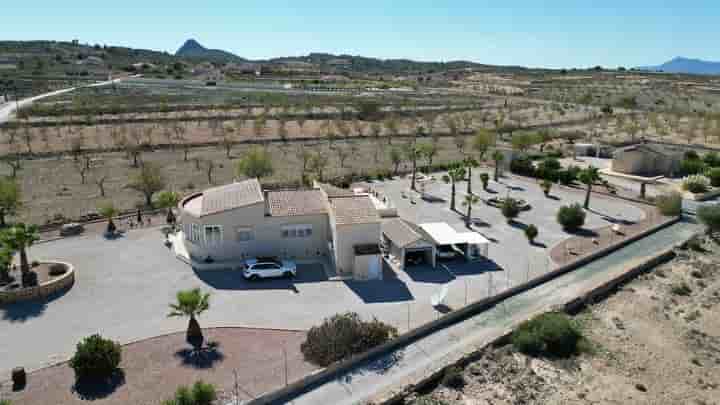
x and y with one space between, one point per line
241 220
647 160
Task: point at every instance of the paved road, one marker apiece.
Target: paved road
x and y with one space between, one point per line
429 354
8 109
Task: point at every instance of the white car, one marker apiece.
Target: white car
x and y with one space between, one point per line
268 267
447 252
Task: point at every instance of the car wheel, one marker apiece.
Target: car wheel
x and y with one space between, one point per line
254 277
288 274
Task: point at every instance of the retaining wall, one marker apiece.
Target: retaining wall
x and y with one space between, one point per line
42 291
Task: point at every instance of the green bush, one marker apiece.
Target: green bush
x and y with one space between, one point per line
568 176
709 215
714 176
199 394
681 289
343 336
510 208
453 378
548 169
571 217
550 334
5 402
96 358
531 232
670 204
696 183
523 167
692 166
712 159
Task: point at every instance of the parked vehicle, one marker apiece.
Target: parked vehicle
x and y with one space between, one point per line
268 267
447 252
71 229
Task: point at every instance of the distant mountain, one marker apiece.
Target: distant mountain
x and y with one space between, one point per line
192 49
688 66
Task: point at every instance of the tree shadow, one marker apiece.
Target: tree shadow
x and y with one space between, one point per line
202 358
538 244
583 232
377 291
443 308
22 311
427 274
90 389
491 191
517 225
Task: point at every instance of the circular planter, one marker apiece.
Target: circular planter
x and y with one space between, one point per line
43 290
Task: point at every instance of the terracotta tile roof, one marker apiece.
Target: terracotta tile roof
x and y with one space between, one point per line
231 196
400 233
354 210
296 202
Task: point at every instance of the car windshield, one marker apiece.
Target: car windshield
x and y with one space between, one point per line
445 248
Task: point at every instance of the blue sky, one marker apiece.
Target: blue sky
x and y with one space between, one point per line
560 33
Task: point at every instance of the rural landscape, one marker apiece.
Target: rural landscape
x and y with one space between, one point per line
200 227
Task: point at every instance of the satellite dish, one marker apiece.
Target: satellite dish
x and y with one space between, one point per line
439 297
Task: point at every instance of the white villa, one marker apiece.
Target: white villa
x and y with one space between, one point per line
240 220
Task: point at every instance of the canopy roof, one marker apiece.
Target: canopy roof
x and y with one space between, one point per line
443 234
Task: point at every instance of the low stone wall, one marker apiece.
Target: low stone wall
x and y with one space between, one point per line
43 290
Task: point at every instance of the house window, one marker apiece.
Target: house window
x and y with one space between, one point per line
297 231
213 234
245 234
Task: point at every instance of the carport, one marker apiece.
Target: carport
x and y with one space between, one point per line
473 245
401 238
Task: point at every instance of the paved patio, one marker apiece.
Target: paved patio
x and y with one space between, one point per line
124 286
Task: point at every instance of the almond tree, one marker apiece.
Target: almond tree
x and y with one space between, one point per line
148 181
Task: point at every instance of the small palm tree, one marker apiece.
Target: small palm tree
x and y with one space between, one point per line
19 238
168 200
191 303
455 174
589 176
108 210
470 162
468 202
498 157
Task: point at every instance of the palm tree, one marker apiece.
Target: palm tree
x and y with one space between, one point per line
108 210
468 202
191 303
498 158
589 176
455 174
469 162
168 200
18 238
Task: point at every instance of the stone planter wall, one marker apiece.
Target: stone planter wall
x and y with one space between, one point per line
43 290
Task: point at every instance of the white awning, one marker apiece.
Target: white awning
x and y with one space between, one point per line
443 234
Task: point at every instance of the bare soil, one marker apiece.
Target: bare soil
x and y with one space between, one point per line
652 345
153 369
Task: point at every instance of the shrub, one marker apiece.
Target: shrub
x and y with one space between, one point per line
696 183
485 179
692 166
569 175
546 186
709 215
712 159
548 169
571 217
681 289
531 232
96 358
522 166
691 155
453 378
551 334
343 336
510 208
199 394
670 204
5 402
714 176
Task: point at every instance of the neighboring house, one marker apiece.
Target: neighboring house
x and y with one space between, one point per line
647 160
240 220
